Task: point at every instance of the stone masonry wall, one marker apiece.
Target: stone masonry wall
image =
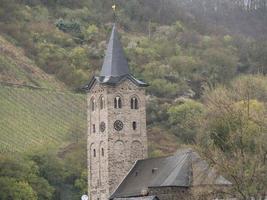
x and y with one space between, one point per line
128 145
170 193
112 153
97 141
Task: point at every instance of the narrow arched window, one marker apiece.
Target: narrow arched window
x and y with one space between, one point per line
93 104
94 153
102 151
134 125
102 103
117 102
93 128
134 103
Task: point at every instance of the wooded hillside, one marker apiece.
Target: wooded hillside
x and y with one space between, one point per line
205 61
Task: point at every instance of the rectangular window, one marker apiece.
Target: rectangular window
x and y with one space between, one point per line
134 125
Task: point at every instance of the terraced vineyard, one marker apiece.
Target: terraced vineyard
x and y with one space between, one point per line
33 118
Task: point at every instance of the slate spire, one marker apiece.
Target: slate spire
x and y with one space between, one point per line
115 66
115 63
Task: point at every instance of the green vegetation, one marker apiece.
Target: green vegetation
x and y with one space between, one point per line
16 68
205 62
67 39
184 119
34 118
43 175
233 134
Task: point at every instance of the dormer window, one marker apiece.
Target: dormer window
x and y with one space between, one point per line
117 102
134 103
154 170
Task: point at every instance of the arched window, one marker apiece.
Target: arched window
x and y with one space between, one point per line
134 103
93 104
102 151
134 125
94 153
102 102
93 128
117 102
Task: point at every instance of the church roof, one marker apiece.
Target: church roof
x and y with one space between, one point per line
115 67
184 169
114 81
115 63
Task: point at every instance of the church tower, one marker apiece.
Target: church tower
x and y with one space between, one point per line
116 122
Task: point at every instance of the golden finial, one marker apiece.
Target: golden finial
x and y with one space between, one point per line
114 7
114 13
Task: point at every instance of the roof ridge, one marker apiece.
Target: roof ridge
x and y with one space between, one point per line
186 157
182 151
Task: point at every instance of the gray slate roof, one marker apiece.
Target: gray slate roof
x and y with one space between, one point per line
112 81
115 63
184 169
115 67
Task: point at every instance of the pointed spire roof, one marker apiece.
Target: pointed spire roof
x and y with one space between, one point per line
115 68
115 63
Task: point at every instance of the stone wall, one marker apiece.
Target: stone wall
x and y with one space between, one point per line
170 193
97 145
121 148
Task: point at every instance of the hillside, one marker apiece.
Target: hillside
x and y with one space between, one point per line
31 119
60 45
18 69
205 62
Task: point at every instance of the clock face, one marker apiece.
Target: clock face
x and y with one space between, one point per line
118 125
102 126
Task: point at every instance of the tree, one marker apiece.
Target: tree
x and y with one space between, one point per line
184 119
21 178
91 33
161 87
16 190
220 64
233 135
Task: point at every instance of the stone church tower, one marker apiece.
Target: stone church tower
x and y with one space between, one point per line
116 122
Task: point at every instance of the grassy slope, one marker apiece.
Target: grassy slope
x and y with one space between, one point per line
34 118
31 118
16 68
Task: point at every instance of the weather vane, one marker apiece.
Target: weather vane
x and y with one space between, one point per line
114 7
114 11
